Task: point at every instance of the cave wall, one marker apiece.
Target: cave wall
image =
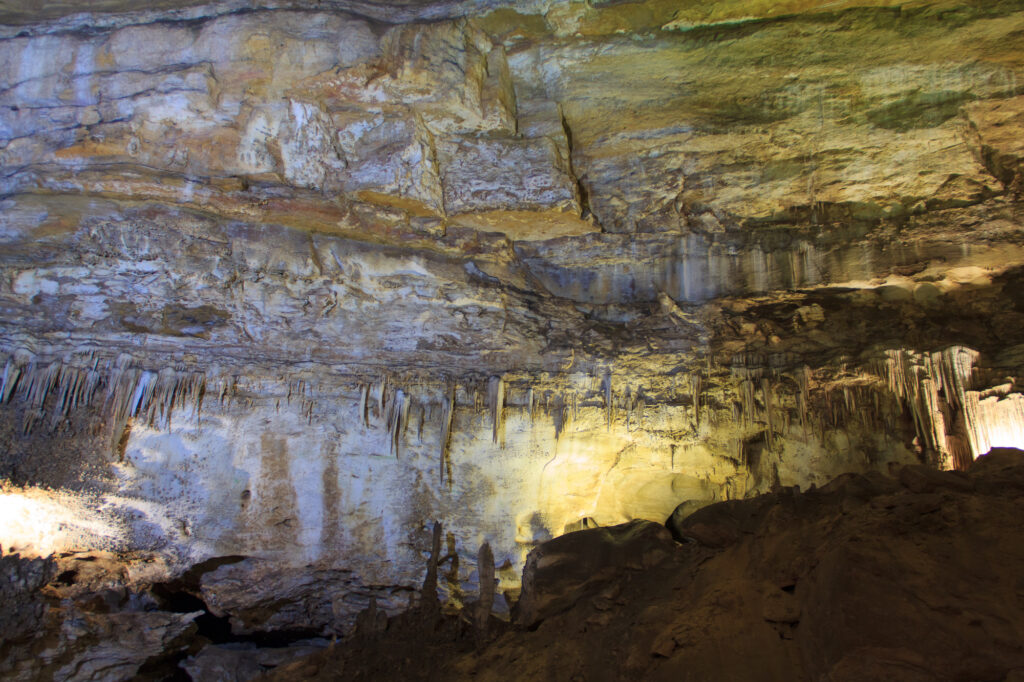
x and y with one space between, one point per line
291 283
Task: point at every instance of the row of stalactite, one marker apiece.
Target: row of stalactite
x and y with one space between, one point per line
955 420
123 392
951 417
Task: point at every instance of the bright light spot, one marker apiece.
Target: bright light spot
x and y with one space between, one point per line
38 522
995 422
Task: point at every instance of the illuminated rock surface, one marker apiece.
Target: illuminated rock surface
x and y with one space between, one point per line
867 578
286 282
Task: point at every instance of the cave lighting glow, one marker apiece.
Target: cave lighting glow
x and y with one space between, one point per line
40 522
995 422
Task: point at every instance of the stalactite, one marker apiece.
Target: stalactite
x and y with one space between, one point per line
696 388
927 384
957 371
421 416
747 397
382 388
41 383
406 406
640 406
11 375
120 392
960 452
397 413
447 415
496 403
766 394
559 414
992 420
58 389
609 405
364 399
627 407
803 377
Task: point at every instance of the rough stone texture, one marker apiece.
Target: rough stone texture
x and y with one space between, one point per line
291 283
264 596
82 617
19 586
239 663
564 570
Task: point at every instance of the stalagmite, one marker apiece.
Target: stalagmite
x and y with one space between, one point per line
485 575
429 604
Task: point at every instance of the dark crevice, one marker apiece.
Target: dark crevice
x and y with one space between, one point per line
67 577
164 669
217 629
183 596
585 210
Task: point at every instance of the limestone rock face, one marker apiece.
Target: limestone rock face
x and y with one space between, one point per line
288 282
